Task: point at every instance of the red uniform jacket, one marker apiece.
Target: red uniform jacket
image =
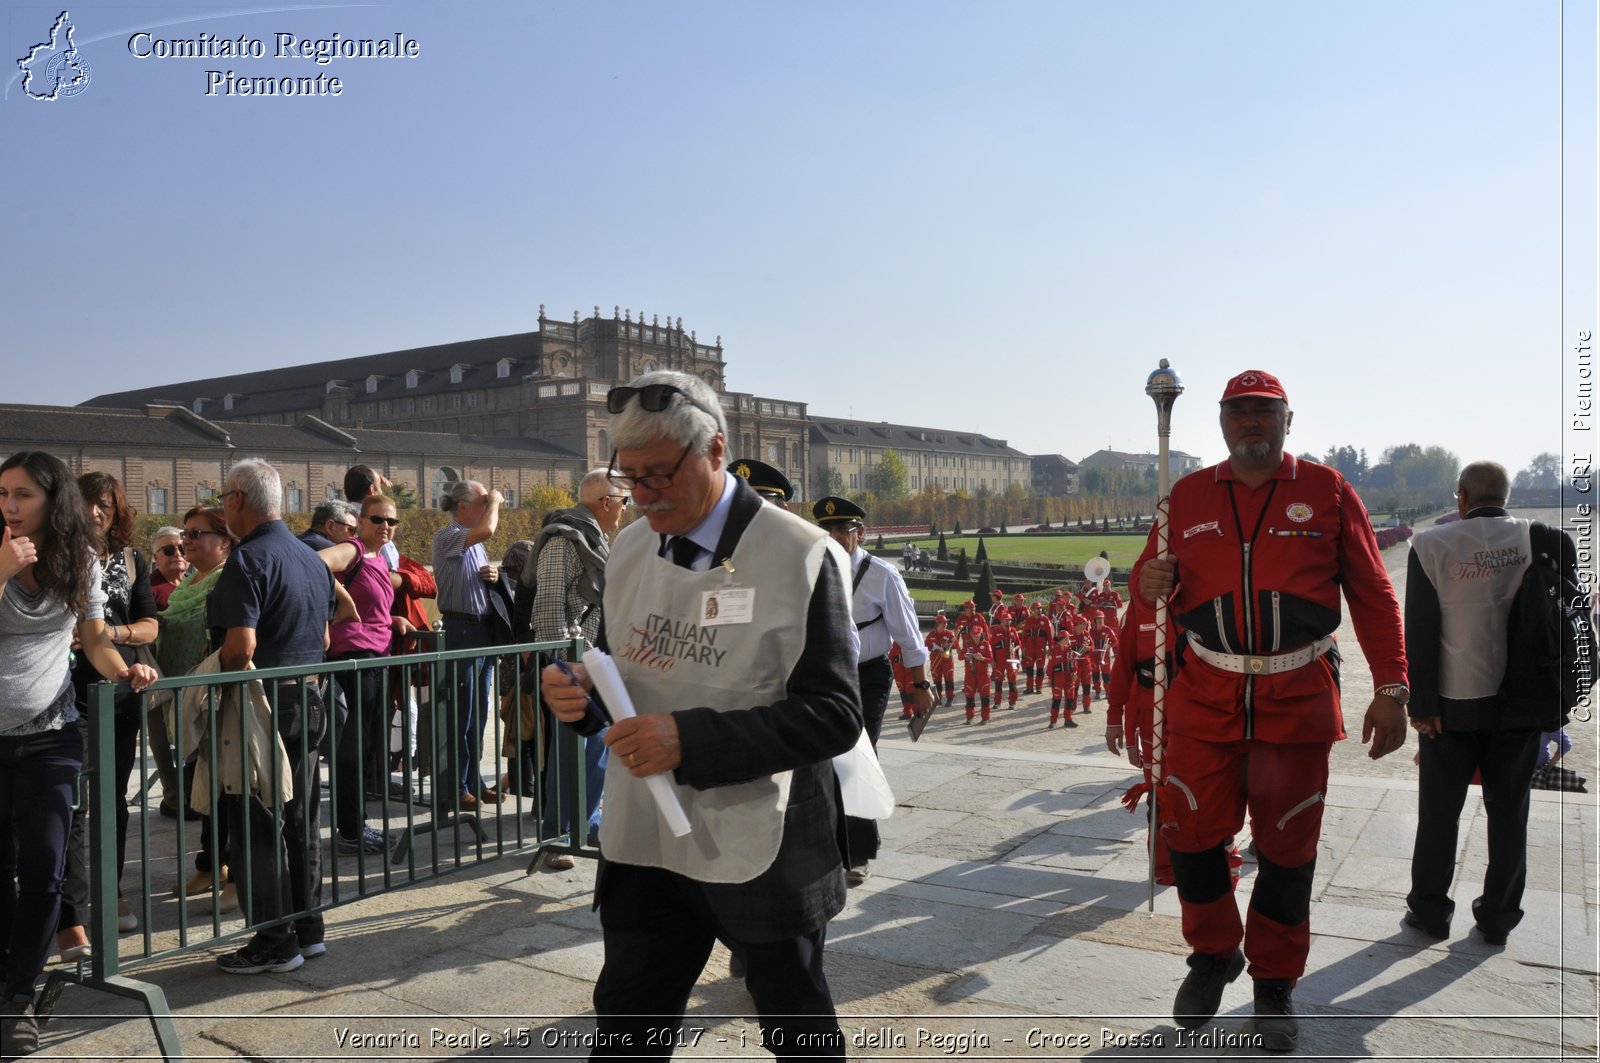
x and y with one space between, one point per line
940 644
1037 632
1259 571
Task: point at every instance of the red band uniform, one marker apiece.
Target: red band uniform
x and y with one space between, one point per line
1259 572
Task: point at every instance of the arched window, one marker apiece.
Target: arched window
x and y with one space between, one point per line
602 446
442 481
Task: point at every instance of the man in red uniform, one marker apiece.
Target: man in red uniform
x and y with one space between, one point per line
941 658
973 645
1082 661
1007 646
1036 638
902 682
998 606
1104 638
1061 677
1258 549
1106 599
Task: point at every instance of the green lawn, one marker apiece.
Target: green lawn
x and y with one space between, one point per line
1070 550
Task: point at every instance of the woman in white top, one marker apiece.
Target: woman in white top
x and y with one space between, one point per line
49 588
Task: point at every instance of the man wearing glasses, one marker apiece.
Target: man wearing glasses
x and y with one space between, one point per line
743 713
332 522
569 581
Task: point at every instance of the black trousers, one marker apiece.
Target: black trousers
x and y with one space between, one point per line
658 931
285 852
1505 759
877 679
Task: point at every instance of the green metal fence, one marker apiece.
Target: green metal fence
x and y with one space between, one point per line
435 832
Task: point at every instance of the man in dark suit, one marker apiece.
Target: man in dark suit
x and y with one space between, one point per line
742 711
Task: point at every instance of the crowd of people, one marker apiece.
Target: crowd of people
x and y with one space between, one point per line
783 638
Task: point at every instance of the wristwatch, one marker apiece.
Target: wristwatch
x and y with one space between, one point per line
1398 691
923 684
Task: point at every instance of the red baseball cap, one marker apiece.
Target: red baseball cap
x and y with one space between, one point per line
1254 382
998 593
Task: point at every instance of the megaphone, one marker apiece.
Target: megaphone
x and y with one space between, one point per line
1096 569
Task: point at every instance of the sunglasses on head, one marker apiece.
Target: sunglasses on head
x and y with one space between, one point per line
653 398
390 521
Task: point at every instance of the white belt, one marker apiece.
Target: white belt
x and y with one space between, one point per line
1261 663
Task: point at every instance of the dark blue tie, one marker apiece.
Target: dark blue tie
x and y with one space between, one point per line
685 551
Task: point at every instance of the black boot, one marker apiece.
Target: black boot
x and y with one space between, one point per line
1201 993
1275 1023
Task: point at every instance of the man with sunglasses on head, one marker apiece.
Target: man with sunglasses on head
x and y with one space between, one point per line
742 714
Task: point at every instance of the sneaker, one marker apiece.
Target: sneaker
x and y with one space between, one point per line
1070 722
313 950
372 840
246 962
1201 993
558 862
19 1029
127 922
1274 1023
856 876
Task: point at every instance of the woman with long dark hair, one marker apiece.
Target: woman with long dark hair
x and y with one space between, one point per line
130 618
49 590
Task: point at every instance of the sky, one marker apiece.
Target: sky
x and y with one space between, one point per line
993 217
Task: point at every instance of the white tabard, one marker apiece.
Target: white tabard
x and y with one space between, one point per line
655 615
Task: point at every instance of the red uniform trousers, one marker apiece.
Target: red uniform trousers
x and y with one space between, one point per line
975 684
1082 669
1061 684
1209 788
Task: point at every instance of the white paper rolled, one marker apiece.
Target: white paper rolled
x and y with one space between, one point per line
608 681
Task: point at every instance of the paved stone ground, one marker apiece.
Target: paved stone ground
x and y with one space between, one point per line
1005 920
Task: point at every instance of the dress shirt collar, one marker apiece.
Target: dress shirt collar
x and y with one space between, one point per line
708 532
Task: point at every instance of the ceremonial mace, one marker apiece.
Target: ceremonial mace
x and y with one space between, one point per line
1163 386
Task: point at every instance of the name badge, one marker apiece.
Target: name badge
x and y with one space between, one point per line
727 605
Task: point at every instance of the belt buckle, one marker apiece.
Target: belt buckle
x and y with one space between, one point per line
1255 664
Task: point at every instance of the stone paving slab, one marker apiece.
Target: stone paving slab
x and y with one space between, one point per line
1013 927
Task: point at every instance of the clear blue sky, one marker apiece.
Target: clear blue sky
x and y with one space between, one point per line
994 217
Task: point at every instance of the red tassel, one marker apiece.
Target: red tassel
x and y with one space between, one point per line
1135 794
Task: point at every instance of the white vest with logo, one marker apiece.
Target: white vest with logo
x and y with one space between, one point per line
1476 566
670 660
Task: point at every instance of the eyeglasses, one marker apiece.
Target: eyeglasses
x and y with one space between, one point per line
170 550
390 521
191 534
654 481
223 497
653 398
351 528
621 500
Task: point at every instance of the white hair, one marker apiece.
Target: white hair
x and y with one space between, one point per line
259 485
691 423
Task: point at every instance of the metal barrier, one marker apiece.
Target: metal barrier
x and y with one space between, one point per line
424 802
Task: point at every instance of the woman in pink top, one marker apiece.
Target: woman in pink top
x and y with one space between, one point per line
358 743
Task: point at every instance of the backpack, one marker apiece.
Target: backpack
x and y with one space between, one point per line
1550 639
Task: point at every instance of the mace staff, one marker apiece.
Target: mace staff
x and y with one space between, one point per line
1163 386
